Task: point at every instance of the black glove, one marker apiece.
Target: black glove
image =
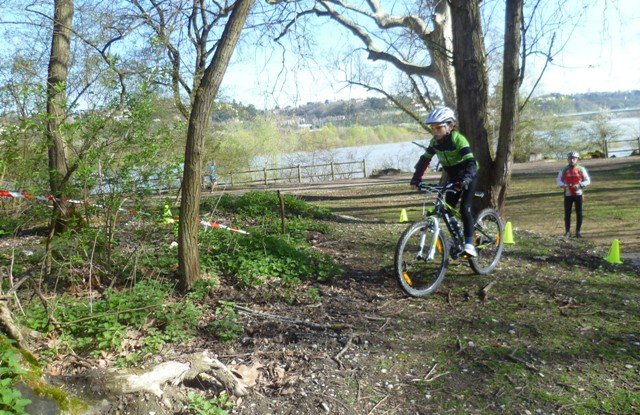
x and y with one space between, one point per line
459 185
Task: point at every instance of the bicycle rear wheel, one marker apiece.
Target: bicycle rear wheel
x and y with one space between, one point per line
418 274
487 237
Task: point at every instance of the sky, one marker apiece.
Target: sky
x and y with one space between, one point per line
602 53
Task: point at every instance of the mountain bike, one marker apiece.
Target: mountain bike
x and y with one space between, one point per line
423 251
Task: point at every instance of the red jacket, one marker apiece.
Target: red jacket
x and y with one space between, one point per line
574 179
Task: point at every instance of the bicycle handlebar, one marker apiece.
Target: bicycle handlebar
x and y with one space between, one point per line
436 188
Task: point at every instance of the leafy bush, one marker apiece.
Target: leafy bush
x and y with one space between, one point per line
256 259
266 255
11 400
256 204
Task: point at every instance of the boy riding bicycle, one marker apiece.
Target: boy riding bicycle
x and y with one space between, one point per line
456 157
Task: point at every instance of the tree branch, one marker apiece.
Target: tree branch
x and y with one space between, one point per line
374 51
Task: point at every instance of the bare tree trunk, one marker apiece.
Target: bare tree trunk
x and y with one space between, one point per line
189 263
473 96
442 56
510 94
56 101
472 83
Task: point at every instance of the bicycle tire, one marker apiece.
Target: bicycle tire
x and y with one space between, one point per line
417 276
487 238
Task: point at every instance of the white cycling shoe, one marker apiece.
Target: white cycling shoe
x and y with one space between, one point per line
470 250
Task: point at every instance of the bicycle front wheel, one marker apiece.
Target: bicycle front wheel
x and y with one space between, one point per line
487 237
421 259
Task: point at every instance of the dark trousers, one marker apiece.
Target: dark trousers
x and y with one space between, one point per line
569 201
465 205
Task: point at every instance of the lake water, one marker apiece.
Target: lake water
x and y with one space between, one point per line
404 155
624 128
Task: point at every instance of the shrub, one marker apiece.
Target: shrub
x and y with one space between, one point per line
11 400
256 204
266 254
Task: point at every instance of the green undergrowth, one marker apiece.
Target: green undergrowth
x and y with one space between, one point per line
128 322
115 296
264 204
268 254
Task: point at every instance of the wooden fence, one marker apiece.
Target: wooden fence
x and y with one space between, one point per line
610 150
293 174
266 176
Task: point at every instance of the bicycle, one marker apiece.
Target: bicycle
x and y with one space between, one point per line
423 250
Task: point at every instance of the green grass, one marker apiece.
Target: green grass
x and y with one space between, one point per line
534 203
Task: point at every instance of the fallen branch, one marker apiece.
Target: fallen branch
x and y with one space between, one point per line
7 325
516 359
430 377
341 352
377 405
430 371
385 319
151 381
484 293
332 326
450 299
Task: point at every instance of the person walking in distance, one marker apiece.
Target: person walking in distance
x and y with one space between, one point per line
213 180
454 153
573 178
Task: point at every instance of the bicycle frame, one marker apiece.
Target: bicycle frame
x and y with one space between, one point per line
447 213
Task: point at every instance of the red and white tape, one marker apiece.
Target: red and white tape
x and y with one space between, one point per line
50 198
25 195
217 225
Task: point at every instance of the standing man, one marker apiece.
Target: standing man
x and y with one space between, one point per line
213 180
573 178
454 153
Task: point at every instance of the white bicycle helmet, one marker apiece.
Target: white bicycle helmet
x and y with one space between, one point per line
441 115
573 154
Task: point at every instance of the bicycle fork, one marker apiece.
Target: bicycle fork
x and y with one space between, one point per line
434 227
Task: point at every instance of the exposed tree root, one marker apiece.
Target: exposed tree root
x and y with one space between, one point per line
129 381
